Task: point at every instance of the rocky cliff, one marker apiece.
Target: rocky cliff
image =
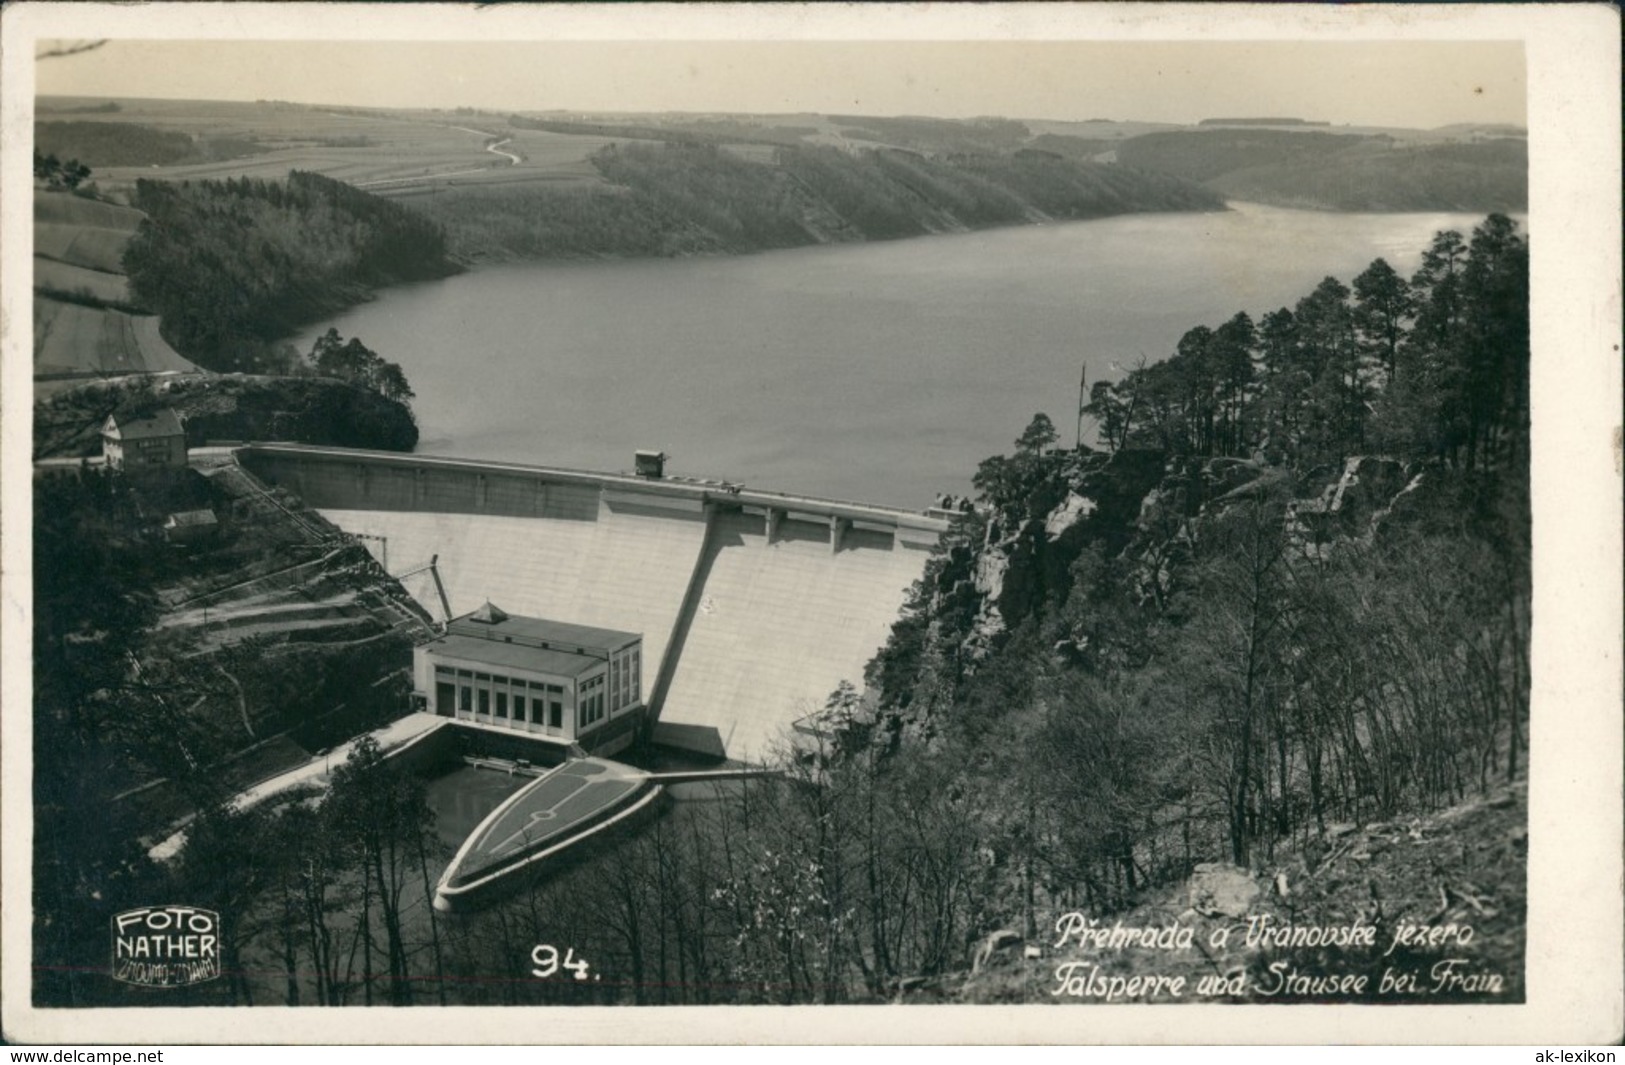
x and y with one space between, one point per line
1015 561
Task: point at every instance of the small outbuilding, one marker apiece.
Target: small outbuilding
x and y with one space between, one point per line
191 526
157 442
650 464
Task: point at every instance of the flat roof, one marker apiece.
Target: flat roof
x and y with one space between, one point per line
539 630
514 655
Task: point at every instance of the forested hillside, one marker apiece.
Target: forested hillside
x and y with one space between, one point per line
1264 653
1201 155
686 195
677 186
1291 597
103 144
1341 171
1484 176
232 266
1293 593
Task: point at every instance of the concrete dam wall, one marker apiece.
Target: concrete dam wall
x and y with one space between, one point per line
753 605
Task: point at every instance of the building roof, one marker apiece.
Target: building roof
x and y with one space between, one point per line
162 423
493 636
514 655
490 613
490 622
192 517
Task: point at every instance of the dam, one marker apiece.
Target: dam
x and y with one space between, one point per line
753 605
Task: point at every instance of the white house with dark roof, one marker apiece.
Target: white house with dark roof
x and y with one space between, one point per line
156 442
551 679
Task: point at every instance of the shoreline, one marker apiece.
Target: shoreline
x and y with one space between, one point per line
616 257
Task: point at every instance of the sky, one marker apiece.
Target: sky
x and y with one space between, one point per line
1420 84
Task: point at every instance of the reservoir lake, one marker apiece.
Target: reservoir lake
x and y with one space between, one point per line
880 372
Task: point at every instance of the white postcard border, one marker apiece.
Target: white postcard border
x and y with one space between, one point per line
1576 979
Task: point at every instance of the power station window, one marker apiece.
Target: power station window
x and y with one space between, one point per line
502 704
465 699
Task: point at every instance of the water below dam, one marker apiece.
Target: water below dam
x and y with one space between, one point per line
881 372
464 796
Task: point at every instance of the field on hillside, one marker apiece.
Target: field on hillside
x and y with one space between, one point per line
391 153
82 323
94 249
100 285
61 208
409 153
80 233
73 339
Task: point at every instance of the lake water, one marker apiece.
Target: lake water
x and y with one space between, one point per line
880 372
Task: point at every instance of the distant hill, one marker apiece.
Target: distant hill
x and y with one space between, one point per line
1260 122
691 197
557 184
1456 170
939 134
103 144
1280 160
1483 176
1202 155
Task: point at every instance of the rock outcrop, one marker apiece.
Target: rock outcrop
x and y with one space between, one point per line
1002 566
1350 504
1151 509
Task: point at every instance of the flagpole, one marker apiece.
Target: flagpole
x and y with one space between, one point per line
1083 378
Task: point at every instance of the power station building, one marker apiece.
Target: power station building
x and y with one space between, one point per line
570 683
